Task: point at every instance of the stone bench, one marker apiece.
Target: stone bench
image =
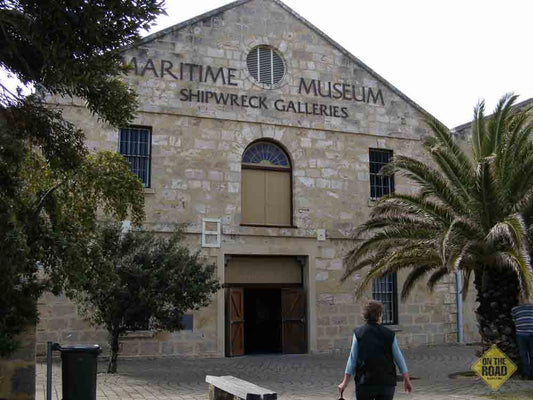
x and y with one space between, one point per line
231 388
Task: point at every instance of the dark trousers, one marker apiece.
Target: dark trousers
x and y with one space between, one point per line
525 344
374 392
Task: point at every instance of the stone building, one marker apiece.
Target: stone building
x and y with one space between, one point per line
264 137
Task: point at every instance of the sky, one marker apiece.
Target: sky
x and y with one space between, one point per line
446 55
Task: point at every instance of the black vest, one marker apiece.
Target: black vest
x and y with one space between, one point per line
375 363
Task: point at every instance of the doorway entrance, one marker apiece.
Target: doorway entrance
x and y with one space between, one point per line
262 321
269 320
265 305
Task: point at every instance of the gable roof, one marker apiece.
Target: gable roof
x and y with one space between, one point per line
345 52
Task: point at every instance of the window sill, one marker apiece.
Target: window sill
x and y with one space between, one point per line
394 328
149 191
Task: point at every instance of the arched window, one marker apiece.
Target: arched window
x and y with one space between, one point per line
266 185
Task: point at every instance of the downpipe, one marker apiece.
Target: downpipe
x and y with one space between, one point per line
459 302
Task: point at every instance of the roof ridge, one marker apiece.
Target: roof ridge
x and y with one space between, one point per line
355 59
190 21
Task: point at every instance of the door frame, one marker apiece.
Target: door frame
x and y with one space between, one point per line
308 284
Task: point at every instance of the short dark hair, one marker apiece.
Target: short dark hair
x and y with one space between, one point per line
373 309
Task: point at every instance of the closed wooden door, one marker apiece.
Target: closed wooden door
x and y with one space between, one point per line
235 322
293 319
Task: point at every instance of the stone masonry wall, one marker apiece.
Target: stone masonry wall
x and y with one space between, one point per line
17 372
196 157
62 323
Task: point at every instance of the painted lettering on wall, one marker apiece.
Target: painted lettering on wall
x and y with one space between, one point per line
341 91
185 71
200 73
261 102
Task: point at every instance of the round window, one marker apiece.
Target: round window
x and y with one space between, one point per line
265 65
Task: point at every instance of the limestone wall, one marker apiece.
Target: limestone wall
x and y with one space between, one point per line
197 147
17 372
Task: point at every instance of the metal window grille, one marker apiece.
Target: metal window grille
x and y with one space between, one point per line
265 65
385 290
266 153
135 145
380 185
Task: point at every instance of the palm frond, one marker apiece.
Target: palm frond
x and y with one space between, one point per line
478 131
519 177
498 123
430 181
397 219
463 254
459 174
436 277
445 138
516 141
412 278
352 264
520 262
414 204
394 236
461 229
513 229
485 196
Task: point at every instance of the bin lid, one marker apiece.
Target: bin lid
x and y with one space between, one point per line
80 348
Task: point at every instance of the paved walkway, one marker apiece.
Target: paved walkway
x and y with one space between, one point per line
294 377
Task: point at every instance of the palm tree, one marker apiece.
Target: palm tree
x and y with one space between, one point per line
472 213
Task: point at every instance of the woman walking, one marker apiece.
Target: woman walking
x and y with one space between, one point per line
373 357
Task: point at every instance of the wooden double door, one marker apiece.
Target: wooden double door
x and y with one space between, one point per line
265 320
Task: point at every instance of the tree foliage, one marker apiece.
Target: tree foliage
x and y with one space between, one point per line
72 47
473 213
138 281
51 188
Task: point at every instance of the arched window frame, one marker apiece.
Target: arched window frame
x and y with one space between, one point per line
259 166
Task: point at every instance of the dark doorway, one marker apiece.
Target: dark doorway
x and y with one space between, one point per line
262 321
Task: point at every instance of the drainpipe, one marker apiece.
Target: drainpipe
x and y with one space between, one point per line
48 370
459 302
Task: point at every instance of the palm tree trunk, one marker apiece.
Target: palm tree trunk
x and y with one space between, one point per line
497 293
112 366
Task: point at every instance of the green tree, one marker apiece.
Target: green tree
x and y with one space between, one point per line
472 213
140 281
51 188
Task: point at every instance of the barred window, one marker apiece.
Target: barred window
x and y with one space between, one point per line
135 143
380 185
385 290
265 65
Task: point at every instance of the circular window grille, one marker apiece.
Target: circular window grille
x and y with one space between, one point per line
265 65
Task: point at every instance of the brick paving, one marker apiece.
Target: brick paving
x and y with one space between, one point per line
294 377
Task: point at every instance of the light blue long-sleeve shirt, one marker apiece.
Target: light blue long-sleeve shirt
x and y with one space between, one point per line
396 354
